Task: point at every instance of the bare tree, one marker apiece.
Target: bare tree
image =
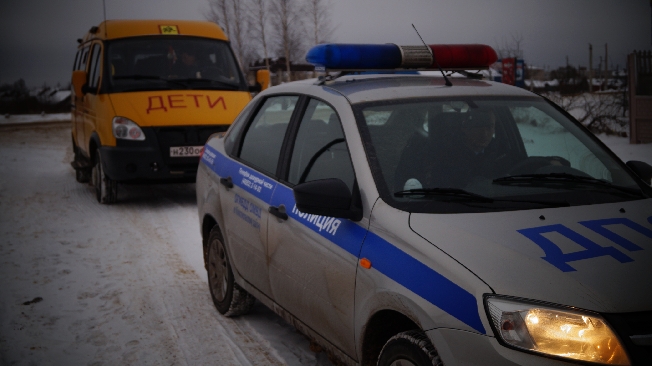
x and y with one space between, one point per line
259 26
218 13
231 15
600 113
318 13
512 47
287 22
240 30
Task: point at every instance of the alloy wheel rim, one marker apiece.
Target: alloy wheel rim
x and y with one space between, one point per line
219 273
402 362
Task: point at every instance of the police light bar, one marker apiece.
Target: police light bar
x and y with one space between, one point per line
336 56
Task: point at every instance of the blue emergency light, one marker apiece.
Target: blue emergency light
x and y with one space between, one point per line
337 56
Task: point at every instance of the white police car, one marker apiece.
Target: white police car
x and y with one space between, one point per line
396 220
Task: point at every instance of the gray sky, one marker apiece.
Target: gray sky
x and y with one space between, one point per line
38 37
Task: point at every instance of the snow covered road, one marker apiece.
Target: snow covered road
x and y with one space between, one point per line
84 283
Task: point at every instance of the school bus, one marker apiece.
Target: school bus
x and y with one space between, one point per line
147 94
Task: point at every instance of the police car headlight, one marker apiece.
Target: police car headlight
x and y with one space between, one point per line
126 129
559 332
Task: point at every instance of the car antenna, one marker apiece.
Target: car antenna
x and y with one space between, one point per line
106 32
448 82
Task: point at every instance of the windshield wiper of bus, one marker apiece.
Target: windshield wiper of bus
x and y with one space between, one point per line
460 193
563 180
149 77
213 83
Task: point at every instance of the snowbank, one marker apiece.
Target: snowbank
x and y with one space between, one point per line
19 119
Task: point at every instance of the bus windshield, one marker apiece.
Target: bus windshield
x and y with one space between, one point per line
170 63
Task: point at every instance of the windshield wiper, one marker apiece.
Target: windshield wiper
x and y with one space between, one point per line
451 192
563 179
456 192
149 77
221 84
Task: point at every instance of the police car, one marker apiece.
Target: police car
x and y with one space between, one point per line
401 219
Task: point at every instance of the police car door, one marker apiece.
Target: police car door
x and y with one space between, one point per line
247 187
312 259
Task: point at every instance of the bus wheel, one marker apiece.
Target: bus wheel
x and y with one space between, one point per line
106 189
82 175
411 348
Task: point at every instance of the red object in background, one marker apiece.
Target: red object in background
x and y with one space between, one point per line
509 71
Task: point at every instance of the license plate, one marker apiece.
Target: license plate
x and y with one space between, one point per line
183 151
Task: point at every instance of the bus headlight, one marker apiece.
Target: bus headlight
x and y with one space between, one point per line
126 129
560 332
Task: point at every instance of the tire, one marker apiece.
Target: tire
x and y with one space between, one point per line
411 348
106 189
81 175
229 298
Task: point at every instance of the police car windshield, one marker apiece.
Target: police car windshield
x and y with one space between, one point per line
475 144
155 63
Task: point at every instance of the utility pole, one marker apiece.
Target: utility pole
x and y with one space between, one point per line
606 66
591 67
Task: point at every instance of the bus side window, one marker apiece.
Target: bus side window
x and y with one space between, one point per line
94 68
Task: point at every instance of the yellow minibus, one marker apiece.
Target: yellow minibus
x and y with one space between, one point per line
147 94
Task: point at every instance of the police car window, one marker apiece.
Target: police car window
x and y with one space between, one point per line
473 145
377 117
234 132
320 150
543 136
263 139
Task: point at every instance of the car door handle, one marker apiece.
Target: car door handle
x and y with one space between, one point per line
227 182
278 212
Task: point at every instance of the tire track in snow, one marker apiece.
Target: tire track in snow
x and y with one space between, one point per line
121 284
190 305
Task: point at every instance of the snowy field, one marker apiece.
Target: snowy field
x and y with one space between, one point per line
88 284
33 119
83 283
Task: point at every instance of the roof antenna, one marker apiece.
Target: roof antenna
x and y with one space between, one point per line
106 35
448 82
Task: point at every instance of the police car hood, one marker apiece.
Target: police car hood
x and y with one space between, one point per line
596 257
180 107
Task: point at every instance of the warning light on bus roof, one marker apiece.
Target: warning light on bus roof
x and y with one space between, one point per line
334 56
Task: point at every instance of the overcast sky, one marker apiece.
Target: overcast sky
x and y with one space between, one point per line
38 37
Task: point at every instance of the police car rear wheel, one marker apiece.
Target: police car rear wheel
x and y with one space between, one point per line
229 298
411 348
106 189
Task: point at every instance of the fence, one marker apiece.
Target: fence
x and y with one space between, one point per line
640 97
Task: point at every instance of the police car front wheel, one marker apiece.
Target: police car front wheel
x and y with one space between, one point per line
411 348
229 298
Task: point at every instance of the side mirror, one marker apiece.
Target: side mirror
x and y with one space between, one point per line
326 197
641 169
78 81
87 89
262 78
